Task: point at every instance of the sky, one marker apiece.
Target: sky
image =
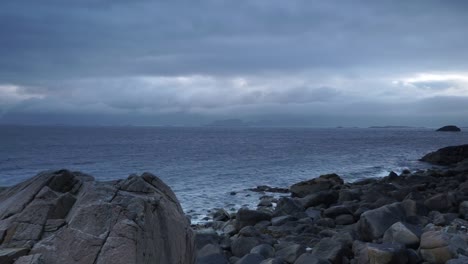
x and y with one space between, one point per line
274 62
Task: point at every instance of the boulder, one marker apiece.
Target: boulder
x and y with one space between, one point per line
288 206
403 233
247 217
344 219
265 250
9 255
67 217
322 183
373 223
331 249
251 258
447 155
440 202
324 197
308 258
211 254
370 253
242 245
449 129
439 247
463 210
290 253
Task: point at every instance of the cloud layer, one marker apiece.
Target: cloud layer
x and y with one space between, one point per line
179 62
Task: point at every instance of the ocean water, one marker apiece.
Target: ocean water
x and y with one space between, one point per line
204 165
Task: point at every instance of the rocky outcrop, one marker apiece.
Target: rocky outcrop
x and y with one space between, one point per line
449 129
414 217
68 217
448 155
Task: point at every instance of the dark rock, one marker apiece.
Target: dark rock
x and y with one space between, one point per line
322 183
308 258
335 211
249 231
440 202
349 195
288 206
9 255
290 253
265 188
460 260
265 250
324 197
326 222
403 233
135 220
280 220
246 217
221 215
251 259
211 254
273 261
447 155
332 250
206 236
313 213
449 129
241 245
344 219
463 210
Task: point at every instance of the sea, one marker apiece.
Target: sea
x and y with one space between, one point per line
213 167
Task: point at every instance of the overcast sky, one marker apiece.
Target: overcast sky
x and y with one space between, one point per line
167 62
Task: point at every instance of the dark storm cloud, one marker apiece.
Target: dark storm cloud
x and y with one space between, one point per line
57 39
223 58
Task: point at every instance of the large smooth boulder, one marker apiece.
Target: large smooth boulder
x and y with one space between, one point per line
331 249
68 217
373 223
403 233
437 247
322 183
370 253
447 155
449 128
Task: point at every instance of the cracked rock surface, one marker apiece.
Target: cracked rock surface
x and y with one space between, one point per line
68 217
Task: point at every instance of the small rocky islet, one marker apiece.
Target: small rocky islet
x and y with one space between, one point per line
414 217
69 217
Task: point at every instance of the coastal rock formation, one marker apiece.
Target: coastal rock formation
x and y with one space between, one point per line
68 217
414 217
449 129
448 155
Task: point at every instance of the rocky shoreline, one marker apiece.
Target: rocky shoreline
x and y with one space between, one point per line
414 217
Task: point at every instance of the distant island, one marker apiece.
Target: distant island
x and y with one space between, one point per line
394 127
228 123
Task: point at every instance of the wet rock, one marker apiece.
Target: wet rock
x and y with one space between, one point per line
448 155
247 217
322 183
221 215
265 188
403 233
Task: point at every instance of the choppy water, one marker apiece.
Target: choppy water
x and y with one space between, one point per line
203 165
